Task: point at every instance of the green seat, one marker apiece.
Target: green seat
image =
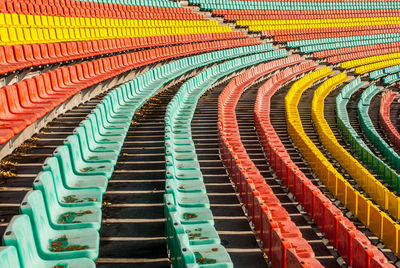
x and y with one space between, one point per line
87 140
91 167
19 234
74 141
100 135
74 178
9 257
72 217
58 244
109 123
194 215
67 197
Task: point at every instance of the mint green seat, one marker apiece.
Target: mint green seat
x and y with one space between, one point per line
19 234
112 111
74 141
72 217
105 129
107 117
91 167
112 125
195 185
194 215
198 234
74 178
9 257
186 199
97 148
67 197
100 135
58 244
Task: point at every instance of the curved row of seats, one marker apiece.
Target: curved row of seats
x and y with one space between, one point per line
363 107
340 231
384 118
334 181
354 200
186 203
385 198
282 240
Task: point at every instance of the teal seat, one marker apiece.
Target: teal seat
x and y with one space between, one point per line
19 234
195 185
9 257
187 199
91 167
58 244
112 111
106 130
67 197
74 178
99 136
109 122
194 215
94 147
72 217
75 141
121 126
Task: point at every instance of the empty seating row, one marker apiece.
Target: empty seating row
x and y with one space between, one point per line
291 5
185 198
17 57
334 53
384 72
76 177
28 100
340 231
390 79
384 118
379 222
96 10
41 31
272 222
385 198
363 107
333 180
319 33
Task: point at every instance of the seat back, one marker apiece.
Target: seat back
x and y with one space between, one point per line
19 233
9 257
64 159
33 205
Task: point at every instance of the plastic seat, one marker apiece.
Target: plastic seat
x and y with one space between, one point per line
94 146
76 178
26 100
193 215
66 196
19 233
9 257
91 126
58 244
9 99
89 167
69 217
76 141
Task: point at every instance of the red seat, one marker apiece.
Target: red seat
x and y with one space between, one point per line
10 111
5 135
21 103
